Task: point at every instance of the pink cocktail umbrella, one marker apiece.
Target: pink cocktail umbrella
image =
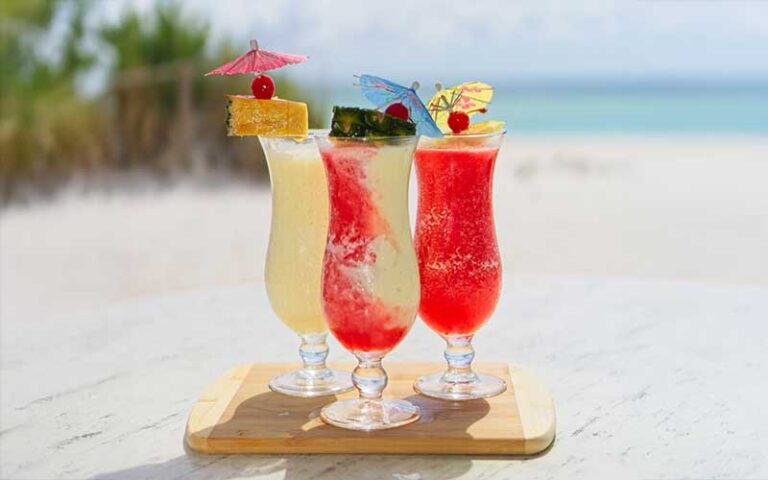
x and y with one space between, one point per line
257 60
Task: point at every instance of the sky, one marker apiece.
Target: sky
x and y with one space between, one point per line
496 40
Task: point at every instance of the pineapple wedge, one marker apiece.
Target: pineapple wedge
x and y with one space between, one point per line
490 126
364 122
270 118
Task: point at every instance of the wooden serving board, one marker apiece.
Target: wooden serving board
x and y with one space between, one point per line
240 414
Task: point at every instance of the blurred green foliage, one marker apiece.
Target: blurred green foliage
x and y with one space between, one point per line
167 37
44 124
158 111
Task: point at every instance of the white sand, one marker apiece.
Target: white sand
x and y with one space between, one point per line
663 207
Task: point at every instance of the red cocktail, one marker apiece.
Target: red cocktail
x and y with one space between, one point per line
370 273
459 262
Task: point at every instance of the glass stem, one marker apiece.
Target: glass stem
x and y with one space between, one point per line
313 352
459 355
369 378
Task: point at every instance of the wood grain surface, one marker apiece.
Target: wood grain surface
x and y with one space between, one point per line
239 414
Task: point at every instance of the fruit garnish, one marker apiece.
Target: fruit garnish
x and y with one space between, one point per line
263 87
362 122
398 110
276 117
458 122
490 126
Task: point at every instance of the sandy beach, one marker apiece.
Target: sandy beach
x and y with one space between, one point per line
634 206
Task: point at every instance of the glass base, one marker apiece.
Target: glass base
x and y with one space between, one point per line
299 384
370 415
435 386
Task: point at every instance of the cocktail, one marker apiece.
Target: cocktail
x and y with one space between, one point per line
299 216
458 255
295 258
370 274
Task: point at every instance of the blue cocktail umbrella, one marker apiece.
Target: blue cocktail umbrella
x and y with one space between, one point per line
384 93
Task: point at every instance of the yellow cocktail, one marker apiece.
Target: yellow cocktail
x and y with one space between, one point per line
295 259
297 238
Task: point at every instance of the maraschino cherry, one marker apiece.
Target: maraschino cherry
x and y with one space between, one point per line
458 122
398 110
262 87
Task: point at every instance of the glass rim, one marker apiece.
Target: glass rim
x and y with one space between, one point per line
311 133
326 135
461 136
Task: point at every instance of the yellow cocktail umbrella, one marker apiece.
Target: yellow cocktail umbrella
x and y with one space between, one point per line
469 97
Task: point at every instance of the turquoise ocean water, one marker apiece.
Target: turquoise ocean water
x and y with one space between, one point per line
636 110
